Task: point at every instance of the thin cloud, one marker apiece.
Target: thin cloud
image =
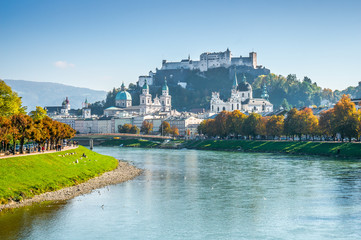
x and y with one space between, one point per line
63 64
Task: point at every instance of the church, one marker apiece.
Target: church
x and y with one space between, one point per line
163 103
241 99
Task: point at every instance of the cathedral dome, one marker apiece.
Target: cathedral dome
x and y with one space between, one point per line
165 86
123 95
244 87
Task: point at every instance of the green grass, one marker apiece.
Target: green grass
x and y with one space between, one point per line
132 143
26 176
312 148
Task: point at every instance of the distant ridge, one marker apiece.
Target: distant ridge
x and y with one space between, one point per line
52 94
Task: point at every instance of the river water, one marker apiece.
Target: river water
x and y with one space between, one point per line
190 194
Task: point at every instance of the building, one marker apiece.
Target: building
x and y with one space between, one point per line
149 105
185 123
123 99
63 110
213 60
149 79
241 99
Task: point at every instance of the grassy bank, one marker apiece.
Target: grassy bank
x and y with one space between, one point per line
311 148
26 176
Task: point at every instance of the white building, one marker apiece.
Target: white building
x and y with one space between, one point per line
185 123
212 60
149 79
241 99
162 104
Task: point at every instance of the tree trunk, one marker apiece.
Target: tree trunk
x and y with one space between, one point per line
22 140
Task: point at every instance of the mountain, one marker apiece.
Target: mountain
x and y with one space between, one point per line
52 94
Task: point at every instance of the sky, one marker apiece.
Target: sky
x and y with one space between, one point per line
100 44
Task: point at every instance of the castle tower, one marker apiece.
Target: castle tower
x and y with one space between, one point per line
145 99
165 98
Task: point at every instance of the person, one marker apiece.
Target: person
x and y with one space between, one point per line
43 149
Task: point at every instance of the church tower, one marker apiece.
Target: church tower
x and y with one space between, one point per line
145 99
165 98
264 92
123 98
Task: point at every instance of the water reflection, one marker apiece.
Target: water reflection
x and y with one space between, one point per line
208 195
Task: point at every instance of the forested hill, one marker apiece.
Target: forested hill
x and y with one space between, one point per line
52 94
287 92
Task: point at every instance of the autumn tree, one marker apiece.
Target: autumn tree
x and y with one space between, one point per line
165 128
307 123
147 127
24 124
38 114
222 128
234 123
274 126
174 131
346 118
134 130
327 123
253 125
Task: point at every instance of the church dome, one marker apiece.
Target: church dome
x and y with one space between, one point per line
244 87
123 95
165 86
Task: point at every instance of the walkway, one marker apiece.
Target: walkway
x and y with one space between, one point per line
35 153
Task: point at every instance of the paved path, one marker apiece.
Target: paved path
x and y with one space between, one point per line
35 153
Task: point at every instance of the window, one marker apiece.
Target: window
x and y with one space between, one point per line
212 108
242 94
248 94
217 109
143 101
224 108
232 106
237 106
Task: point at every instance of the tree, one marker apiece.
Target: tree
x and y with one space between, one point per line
327 124
307 122
24 124
253 125
290 123
274 126
6 131
234 122
134 129
147 127
346 118
174 131
164 128
10 102
222 128
126 128
38 114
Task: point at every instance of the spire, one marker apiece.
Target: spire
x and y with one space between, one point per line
165 86
235 82
122 87
145 86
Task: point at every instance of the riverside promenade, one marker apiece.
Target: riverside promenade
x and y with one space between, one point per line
36 153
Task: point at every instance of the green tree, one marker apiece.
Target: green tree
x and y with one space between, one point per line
10 102
24 124
38 114
251 125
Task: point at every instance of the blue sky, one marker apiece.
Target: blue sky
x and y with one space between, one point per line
99 44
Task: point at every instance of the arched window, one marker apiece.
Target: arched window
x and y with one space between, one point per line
232 107
143 101
217 109
212 108
237 106
224 109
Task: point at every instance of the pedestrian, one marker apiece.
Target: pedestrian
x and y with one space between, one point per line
43 148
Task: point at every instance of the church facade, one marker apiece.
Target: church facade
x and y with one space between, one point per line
158 104
241 99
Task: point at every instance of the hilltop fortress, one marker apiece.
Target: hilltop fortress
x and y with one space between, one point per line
212 60
176 72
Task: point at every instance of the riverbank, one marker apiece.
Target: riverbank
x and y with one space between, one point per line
58 176
346 149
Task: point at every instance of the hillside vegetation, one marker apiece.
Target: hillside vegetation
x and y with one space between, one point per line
25 176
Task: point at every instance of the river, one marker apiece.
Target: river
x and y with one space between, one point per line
190 194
